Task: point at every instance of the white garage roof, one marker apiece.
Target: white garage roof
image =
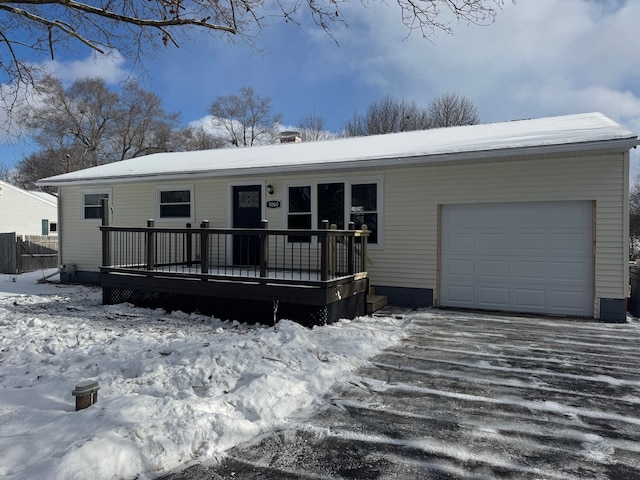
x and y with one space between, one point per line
546 135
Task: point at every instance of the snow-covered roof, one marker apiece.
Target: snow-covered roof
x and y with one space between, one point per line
42 196
467 143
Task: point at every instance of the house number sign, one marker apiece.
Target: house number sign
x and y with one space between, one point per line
273 204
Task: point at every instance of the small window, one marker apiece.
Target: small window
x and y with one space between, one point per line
92 205
364 208
299 216
53 227
175 203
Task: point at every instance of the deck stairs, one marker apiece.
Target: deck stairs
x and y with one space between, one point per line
375 302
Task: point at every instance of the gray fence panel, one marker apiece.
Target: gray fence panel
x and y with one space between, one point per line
8 253
37 252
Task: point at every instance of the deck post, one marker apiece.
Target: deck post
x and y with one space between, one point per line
189 245
151 245
204 248
106 239
264 248
351 240
363 253
324 251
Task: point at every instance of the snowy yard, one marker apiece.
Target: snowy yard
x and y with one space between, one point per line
173 387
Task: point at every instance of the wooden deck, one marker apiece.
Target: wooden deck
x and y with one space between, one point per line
310 276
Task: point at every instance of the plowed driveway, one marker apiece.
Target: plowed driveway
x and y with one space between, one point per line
469 396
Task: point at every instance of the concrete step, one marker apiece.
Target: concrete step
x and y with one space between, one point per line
375 303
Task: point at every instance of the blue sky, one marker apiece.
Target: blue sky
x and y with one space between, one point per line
539 58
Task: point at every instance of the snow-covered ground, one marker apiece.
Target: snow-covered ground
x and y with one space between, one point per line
173 387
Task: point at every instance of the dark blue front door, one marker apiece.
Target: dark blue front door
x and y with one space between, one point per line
247 213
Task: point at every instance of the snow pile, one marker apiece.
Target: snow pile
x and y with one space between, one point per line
173 387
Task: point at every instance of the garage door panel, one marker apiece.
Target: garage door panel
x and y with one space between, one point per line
461 294
461 268
524 243
574 272
530 216
457 242
492 215
531 257
568 300
493 297
492 242
567 243
527 271
530 298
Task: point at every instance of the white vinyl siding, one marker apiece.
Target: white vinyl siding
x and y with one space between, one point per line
23 212
408 203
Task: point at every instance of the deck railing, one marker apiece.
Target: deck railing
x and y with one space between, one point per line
279 255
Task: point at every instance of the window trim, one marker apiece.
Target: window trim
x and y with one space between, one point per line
348 182
94 191
175 188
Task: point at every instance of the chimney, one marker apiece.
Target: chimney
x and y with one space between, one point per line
290 137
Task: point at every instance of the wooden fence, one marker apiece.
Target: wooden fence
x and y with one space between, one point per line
26 253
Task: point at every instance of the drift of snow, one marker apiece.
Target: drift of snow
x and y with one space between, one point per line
173 387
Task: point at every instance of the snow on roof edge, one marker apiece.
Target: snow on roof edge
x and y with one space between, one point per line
545 135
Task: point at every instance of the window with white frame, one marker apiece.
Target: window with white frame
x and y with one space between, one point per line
299 215
364 208
335 202
92 204
175 202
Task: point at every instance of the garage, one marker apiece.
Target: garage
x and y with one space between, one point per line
534 257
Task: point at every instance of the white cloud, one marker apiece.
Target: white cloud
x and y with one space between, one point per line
538 58
111 67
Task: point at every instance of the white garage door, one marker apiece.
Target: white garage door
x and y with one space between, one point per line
521 257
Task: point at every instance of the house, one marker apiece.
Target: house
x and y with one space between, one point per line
27 213
524 216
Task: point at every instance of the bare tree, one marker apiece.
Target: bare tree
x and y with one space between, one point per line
246 118
312 128
4 171
197 138
34 30
46 163
388 115
141 125
79 116
450 109
88 124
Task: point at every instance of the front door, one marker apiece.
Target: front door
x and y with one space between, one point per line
247 213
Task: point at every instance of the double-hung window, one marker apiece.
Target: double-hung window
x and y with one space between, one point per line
175 202
92 204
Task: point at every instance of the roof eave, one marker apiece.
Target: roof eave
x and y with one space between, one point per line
476 156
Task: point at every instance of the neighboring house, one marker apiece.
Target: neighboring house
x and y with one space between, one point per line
525 216
27 213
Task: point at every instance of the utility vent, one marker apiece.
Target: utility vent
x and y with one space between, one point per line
290 137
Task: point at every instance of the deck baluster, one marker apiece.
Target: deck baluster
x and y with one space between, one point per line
204 248
264 248
350 249
189 246
324 250
151 245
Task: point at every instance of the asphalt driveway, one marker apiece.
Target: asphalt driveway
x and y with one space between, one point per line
469 396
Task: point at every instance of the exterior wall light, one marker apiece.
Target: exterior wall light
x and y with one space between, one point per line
270 189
